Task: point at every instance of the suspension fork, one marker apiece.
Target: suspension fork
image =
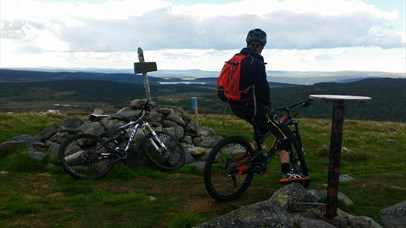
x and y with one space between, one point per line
162 145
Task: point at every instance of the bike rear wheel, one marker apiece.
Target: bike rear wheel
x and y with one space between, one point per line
83 156
170 157
297 159
221 176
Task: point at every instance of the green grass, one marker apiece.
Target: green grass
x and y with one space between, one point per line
186 221
142 196
25 123
20 161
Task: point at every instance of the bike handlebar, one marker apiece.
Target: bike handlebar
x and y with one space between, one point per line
305 104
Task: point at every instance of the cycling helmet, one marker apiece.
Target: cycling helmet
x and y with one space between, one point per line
256 35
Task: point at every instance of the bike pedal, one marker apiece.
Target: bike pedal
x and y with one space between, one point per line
258 168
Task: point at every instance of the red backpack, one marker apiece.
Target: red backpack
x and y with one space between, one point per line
228 83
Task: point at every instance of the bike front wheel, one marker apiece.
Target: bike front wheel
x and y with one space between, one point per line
83 156
226 176
163 151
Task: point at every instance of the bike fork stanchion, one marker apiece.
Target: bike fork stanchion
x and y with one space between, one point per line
335 147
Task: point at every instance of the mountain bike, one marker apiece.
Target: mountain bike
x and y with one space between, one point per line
89 156
232 163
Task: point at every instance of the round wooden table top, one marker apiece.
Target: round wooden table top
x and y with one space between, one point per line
339 97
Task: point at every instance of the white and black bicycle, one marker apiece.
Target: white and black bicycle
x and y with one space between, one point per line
88 156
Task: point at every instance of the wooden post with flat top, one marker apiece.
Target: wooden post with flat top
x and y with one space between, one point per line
335 147
144 67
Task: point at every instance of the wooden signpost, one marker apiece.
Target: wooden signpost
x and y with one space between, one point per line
144 67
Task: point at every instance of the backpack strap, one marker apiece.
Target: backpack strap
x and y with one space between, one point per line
253 91
252 59
251 86
255 100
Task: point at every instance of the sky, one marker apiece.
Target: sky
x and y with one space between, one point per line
303 35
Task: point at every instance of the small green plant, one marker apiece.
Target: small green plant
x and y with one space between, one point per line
186 221
189 169
20 161
322 151
122 172
71 186
119 199
355 156
16 205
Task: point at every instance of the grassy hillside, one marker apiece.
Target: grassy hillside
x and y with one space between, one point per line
31 195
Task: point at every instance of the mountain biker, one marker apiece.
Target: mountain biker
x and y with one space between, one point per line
257 108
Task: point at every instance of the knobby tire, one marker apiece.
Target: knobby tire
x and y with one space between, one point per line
80 156
221 178
170 159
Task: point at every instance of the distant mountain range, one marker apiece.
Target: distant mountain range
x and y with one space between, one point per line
277 78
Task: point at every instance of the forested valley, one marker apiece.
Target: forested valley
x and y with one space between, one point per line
388 97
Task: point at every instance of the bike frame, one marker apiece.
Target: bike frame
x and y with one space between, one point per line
234 156
136 124
286 119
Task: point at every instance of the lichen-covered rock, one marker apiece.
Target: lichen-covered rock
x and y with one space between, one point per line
154 116
263 214
137 103
208 141
174 117
293 192
394 216
71 125
197 151
52 129
276 212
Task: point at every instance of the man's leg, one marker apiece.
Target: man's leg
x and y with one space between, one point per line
284 156
286 174
284 160
255 145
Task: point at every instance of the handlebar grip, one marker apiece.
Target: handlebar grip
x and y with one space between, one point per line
307 103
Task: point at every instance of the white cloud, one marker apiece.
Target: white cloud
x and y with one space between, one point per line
199 35
337 59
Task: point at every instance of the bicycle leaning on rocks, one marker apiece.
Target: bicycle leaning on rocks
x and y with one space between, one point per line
88 156
232 163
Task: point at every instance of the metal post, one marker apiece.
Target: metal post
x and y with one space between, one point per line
194 106
335 158
144 76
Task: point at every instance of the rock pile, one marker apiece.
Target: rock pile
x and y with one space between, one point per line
172 121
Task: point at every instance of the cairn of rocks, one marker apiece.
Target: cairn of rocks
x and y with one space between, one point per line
172 121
